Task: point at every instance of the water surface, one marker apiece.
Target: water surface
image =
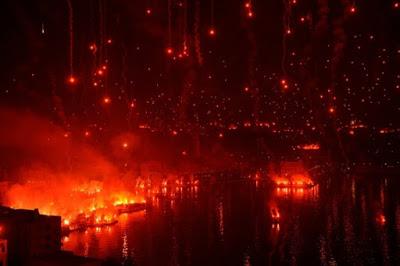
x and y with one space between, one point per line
355 221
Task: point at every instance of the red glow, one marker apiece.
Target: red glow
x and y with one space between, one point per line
169 51
284 84
353 9
381 219
250 14
275 215
211 32
396 5
93 48
148 11
109 41
125 145
87 134
308 147
72 80
295 181
331 110
106 100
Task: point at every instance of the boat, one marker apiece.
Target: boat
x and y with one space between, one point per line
292 175
130 207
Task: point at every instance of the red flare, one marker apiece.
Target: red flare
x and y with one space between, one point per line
72 80
211 32
169 51
106 100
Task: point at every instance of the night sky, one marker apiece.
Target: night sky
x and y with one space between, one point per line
202 64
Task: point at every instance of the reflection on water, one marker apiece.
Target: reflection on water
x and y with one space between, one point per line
248 222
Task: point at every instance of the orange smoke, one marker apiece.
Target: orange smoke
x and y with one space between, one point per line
58 175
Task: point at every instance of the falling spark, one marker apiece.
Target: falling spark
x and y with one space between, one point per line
71 80
106 100
169 51
211 32
71 37
43 29
199 57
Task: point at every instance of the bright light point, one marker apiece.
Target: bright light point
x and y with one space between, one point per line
72 80
95 84
106 100
100 72
302 19
246 89
331 110
184 153
132 105
92 47
247 5
396 5
148 11
87 133
220 135
288 31
211 32
125 145
169 51
353 9
381 219
283 81
250 14
109 41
